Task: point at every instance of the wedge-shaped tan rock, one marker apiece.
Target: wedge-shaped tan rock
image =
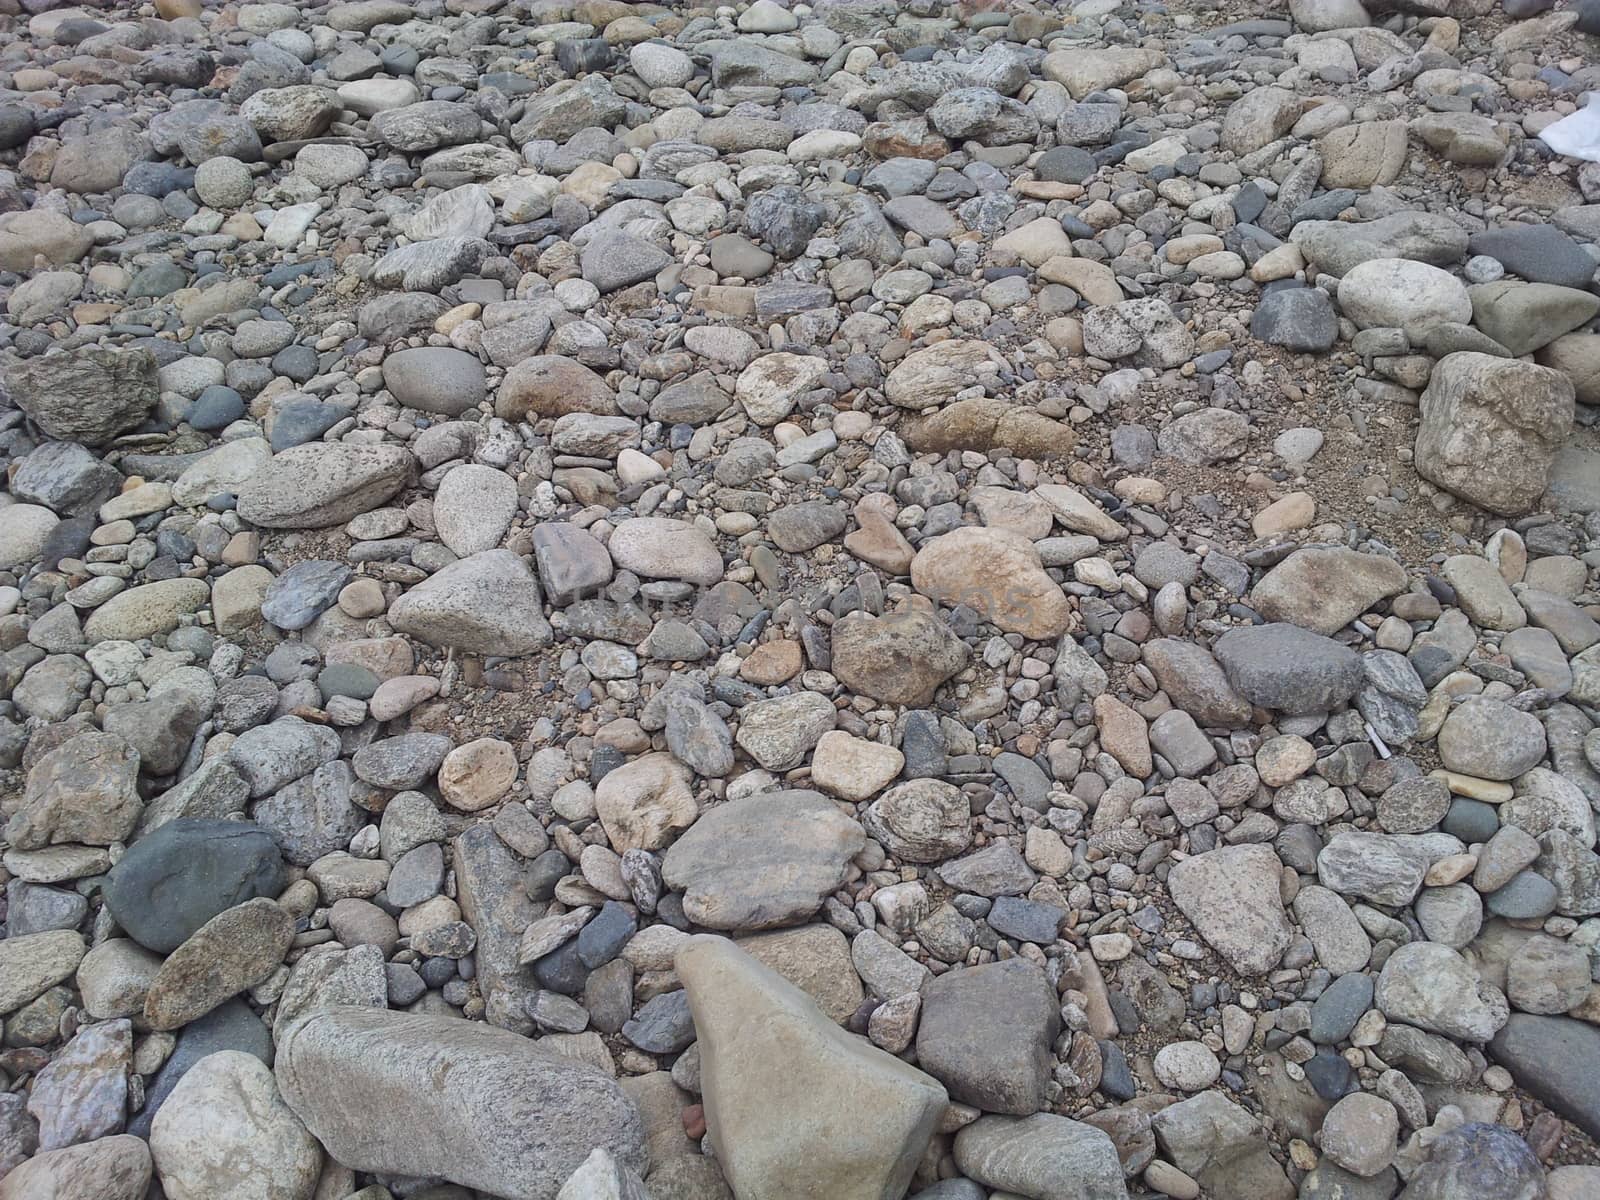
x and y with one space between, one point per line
1324 588
1078 513
35 962
797 1108
224 1133
998 574
928 377
486 603
408 1094
815 959
1083 70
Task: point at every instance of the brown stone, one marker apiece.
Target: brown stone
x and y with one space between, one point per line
548 385
772 663
986 424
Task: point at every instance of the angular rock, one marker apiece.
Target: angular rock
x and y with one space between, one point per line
112 1168
986 1034
1434 988
795 1105
88 395
234 950
901 657
762 861
487 603
997 573
323 483
85 790
645 803
1480 1160
1324 588
1490 429
1231 897
1221 1146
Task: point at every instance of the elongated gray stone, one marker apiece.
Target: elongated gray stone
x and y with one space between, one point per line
1043 1156
478 1106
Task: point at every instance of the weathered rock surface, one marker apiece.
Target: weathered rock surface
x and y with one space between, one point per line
478 1106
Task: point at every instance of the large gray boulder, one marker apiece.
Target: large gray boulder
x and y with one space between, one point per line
486 603
323 483
1288 668
89 395
407 1094
1556 1059
174 880
1490 428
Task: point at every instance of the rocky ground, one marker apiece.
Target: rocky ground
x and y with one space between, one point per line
981 600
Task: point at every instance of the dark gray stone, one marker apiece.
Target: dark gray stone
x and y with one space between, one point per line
1025 920
304 592
1471 820
602 939
1539 253
1065 164
66 477
302 421
1289 668
1298 319
1335 1013
1557 1059
176 879
986 1034
663 1024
